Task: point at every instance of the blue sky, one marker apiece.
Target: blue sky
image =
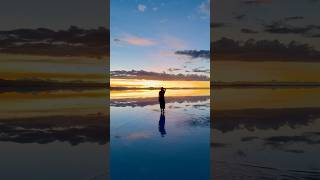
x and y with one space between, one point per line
145 35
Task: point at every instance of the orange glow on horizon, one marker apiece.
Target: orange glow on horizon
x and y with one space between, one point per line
137 83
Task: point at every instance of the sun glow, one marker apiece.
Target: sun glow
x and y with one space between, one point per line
141 83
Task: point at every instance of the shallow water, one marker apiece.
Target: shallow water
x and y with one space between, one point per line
264 133
54 135
146 145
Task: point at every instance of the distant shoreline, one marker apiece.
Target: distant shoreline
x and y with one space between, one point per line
264 84
44 85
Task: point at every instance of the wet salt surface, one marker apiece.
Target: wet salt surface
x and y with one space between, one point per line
146 145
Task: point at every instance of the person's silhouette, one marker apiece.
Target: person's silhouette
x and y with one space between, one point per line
161 99
162 123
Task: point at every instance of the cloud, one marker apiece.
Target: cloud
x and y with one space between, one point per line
155 9
135 40
263 50
293 18
195 53
142 7
148 75
249 31
199 70
74 41
218 25
173 69
256 2
280 27
240 17
204 7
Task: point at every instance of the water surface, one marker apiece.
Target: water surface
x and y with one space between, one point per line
265 133
147 145
60 134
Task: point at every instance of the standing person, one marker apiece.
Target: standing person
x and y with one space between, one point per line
161 99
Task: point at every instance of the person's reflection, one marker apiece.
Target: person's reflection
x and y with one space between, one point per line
162 123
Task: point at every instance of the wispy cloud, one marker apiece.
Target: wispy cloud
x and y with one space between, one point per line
135 40
173 69
195 53
204 7
142 7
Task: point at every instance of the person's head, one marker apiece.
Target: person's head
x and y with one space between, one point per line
162 88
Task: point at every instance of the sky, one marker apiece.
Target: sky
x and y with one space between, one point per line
256 15
57 14
266 21
34 47
146 35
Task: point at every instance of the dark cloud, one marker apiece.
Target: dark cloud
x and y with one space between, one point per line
293 18
249 31
74 41
280 27
198 70
315 35
133 74
218 25
263 50
296 151
195 53
249 138
173 69
240 17
256 2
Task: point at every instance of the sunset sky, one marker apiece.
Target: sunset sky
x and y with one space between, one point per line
33 47
267 20
147 35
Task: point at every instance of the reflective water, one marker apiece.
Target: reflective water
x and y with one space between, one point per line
265 133
145 144
54 135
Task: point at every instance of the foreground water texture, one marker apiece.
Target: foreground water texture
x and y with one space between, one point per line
256 133
265 133
60 134
148 145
